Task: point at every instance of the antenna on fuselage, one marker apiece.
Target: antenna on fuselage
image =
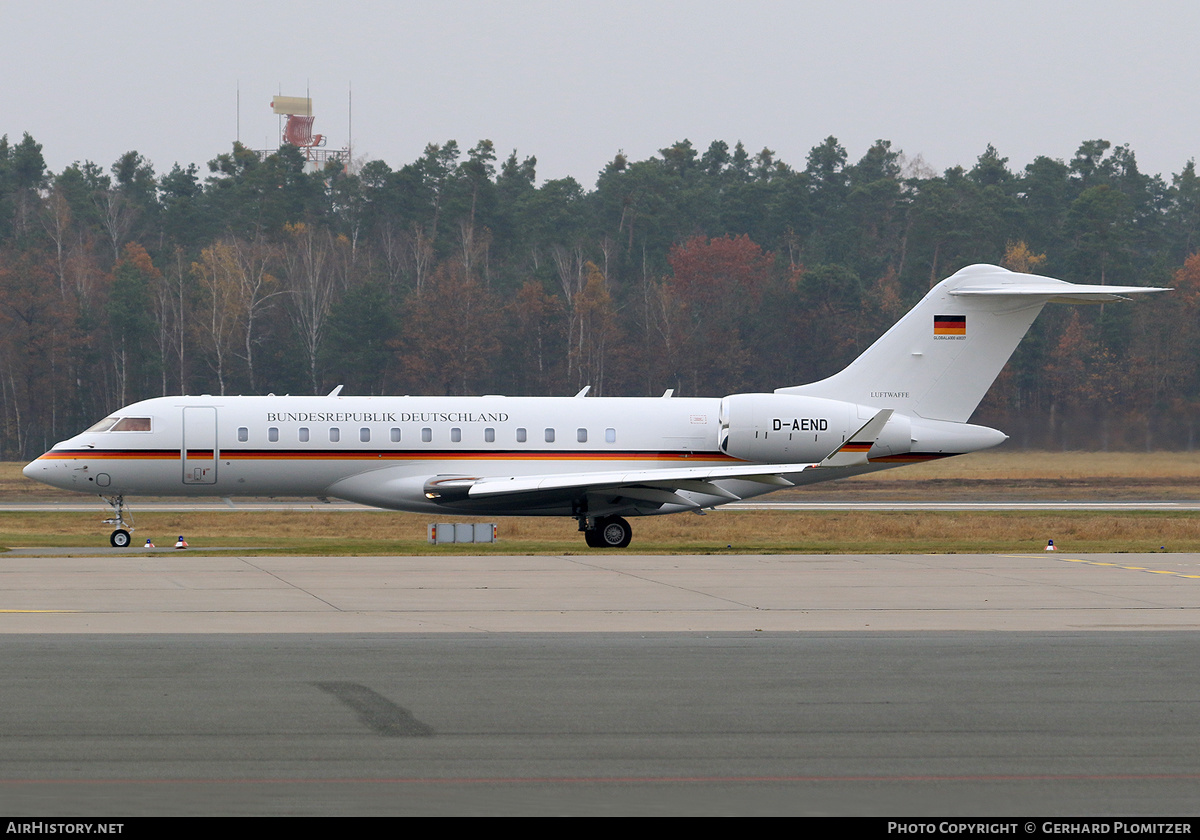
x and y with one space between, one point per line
335 391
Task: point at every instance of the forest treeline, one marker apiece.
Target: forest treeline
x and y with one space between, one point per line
709 272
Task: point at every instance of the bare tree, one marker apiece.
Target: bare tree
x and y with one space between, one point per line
420 251
170 308
256 287
56 220
117 215
311 286
217 318
571 275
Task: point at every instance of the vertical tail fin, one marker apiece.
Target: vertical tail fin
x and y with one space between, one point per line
939 360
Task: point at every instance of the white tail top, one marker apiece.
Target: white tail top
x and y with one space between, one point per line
939 360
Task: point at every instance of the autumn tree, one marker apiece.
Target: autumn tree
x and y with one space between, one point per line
534 340
1018 257
719 282
450 342
1172 327
597 329
35 331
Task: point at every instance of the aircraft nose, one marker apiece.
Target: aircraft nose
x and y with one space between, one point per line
41 470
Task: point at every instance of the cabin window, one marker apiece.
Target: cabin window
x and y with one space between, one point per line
426 435
335 434
456 435
489 435
132 424
243 434
302 433
521 436
610 435
364 434
272 434
549 436
104 425
581 435
395 435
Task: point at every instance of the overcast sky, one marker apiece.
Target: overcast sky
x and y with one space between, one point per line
574 83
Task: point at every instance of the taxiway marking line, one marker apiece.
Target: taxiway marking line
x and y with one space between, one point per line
1112 565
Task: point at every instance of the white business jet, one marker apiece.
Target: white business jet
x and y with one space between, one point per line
598 460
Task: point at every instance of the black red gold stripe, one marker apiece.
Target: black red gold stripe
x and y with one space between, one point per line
451 455
913 457
854 446
387 454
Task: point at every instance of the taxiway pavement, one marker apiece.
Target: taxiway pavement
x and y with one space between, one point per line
167 591
606 683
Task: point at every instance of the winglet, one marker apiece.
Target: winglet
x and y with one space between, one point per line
853 453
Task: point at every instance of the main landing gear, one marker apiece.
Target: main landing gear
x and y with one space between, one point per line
122 519
605 531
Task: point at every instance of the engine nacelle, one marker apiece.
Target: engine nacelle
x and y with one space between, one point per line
783 428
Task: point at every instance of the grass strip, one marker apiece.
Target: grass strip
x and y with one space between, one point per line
719 532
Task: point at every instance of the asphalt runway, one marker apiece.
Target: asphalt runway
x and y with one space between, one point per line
905 685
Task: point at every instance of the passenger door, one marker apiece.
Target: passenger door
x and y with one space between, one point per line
200 445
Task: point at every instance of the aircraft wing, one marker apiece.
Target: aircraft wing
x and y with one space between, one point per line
697 478
662 486
704 486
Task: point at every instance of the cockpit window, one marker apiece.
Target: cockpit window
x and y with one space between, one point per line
104 425
132 424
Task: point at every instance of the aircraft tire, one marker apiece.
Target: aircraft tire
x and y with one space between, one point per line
613 532
591 536
119 538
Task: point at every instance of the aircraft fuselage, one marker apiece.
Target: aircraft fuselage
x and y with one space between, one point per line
384 451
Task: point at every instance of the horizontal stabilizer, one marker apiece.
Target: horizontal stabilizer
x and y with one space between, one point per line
1056 291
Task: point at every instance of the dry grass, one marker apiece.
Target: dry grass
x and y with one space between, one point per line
873 532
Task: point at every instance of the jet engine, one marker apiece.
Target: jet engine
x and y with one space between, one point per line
783 428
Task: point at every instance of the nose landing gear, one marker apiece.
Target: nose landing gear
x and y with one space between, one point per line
121 517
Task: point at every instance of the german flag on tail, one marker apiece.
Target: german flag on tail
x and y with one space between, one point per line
949 324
